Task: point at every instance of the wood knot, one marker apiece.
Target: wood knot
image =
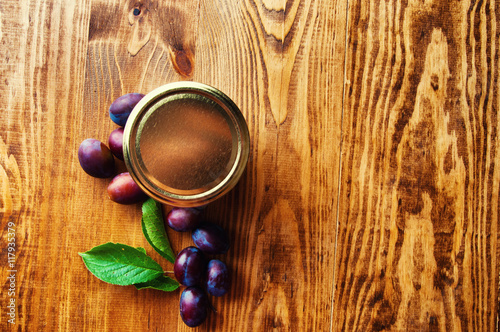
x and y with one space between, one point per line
182 60
136 13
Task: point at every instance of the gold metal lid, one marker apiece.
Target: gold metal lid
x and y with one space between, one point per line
186 144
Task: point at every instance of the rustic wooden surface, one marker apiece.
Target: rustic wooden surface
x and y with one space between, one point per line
371 198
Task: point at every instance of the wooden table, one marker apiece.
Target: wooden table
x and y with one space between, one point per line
371 197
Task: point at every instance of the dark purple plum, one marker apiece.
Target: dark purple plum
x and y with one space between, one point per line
194 306
190 266
123 189
115 143
121 108
183 219
96 159
211 239
218 281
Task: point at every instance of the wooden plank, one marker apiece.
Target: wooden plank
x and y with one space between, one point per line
282 62
42 69
130 53
418 236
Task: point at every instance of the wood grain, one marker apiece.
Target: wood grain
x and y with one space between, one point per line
370 201
418 235
40 117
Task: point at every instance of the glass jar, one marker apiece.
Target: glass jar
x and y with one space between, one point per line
186 144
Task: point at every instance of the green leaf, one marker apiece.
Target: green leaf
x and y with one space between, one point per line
163 283
153 228
120 264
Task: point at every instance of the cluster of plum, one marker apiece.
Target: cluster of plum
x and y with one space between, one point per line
193 269
98 160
